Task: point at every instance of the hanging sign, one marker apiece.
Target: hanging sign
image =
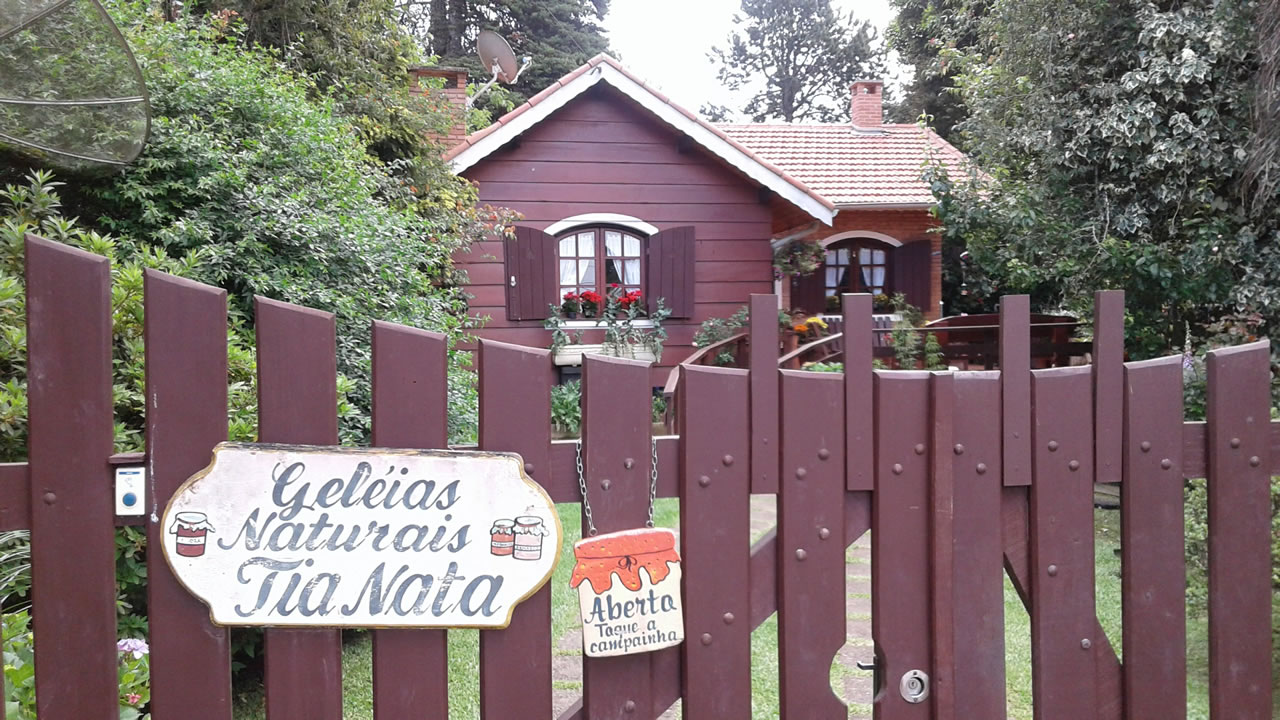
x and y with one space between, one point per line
286 535
629 592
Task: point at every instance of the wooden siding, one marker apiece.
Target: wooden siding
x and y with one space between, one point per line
602 153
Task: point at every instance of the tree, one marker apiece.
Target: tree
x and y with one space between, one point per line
1116 138
559 35
353 51
806 52
926 33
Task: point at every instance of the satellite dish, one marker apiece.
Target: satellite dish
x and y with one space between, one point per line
496 56
71 88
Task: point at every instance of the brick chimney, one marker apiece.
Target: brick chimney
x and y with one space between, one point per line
454 93
867 106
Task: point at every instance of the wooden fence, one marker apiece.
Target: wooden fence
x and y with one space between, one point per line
961 477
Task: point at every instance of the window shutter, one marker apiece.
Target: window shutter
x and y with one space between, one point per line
809 292
529 258
669 272
911 273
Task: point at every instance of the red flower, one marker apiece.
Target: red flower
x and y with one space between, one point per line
571 296
629 299
591 296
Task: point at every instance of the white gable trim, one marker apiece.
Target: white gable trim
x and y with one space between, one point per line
870 235
634 223
698 132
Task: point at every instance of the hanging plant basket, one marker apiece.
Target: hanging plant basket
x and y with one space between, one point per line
798 258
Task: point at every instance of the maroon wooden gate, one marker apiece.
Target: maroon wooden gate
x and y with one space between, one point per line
960 477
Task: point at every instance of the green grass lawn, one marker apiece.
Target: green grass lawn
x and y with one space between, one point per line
464 644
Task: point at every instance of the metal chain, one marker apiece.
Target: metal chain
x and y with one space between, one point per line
653 479
582 484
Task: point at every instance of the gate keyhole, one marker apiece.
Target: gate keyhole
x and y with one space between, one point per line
914 686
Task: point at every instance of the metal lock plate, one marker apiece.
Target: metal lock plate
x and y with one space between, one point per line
914 686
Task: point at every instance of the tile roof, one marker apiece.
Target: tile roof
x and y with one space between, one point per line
836 165
852 166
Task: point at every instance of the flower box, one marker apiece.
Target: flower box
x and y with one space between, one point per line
572 354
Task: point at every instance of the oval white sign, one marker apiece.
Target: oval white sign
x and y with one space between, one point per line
291 535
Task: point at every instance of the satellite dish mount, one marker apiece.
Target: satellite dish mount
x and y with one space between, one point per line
495 54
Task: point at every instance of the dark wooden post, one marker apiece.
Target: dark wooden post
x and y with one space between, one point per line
186 346
298 403
73 581
1239 532
515 416
615 432
410 410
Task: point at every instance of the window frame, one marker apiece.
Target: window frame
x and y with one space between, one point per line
854 246
600 258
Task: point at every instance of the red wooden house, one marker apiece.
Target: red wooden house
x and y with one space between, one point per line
617 184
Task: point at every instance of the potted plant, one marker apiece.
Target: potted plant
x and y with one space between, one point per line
570 305
620 316
882 303
590 302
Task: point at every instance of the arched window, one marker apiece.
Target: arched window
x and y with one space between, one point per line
857 265
595 258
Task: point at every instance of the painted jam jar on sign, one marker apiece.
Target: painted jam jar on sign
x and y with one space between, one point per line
192 529
528 540
502 537
628 591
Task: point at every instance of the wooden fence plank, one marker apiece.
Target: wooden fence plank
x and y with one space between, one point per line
859 444
410 410
1108 384
186 366
763 362
298 403
1239 411
977 596
1154 579
15 497
942 550
73 580
1016 537
714 532
616 411
1063 616
1015 379
811 582
900 612
515 388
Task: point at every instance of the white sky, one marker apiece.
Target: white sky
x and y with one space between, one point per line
665 43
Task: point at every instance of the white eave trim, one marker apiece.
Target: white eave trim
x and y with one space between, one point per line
626 221
699 133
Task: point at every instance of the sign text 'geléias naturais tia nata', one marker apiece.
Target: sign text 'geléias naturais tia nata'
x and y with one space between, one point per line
284 535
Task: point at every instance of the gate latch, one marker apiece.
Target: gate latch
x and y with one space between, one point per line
874 667
915 686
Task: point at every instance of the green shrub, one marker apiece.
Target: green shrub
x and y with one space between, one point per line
19 672
566 407
713 330
1196 512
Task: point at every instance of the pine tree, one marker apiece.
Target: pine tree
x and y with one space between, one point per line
807 53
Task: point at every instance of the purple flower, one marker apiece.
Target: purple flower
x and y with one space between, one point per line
133 645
